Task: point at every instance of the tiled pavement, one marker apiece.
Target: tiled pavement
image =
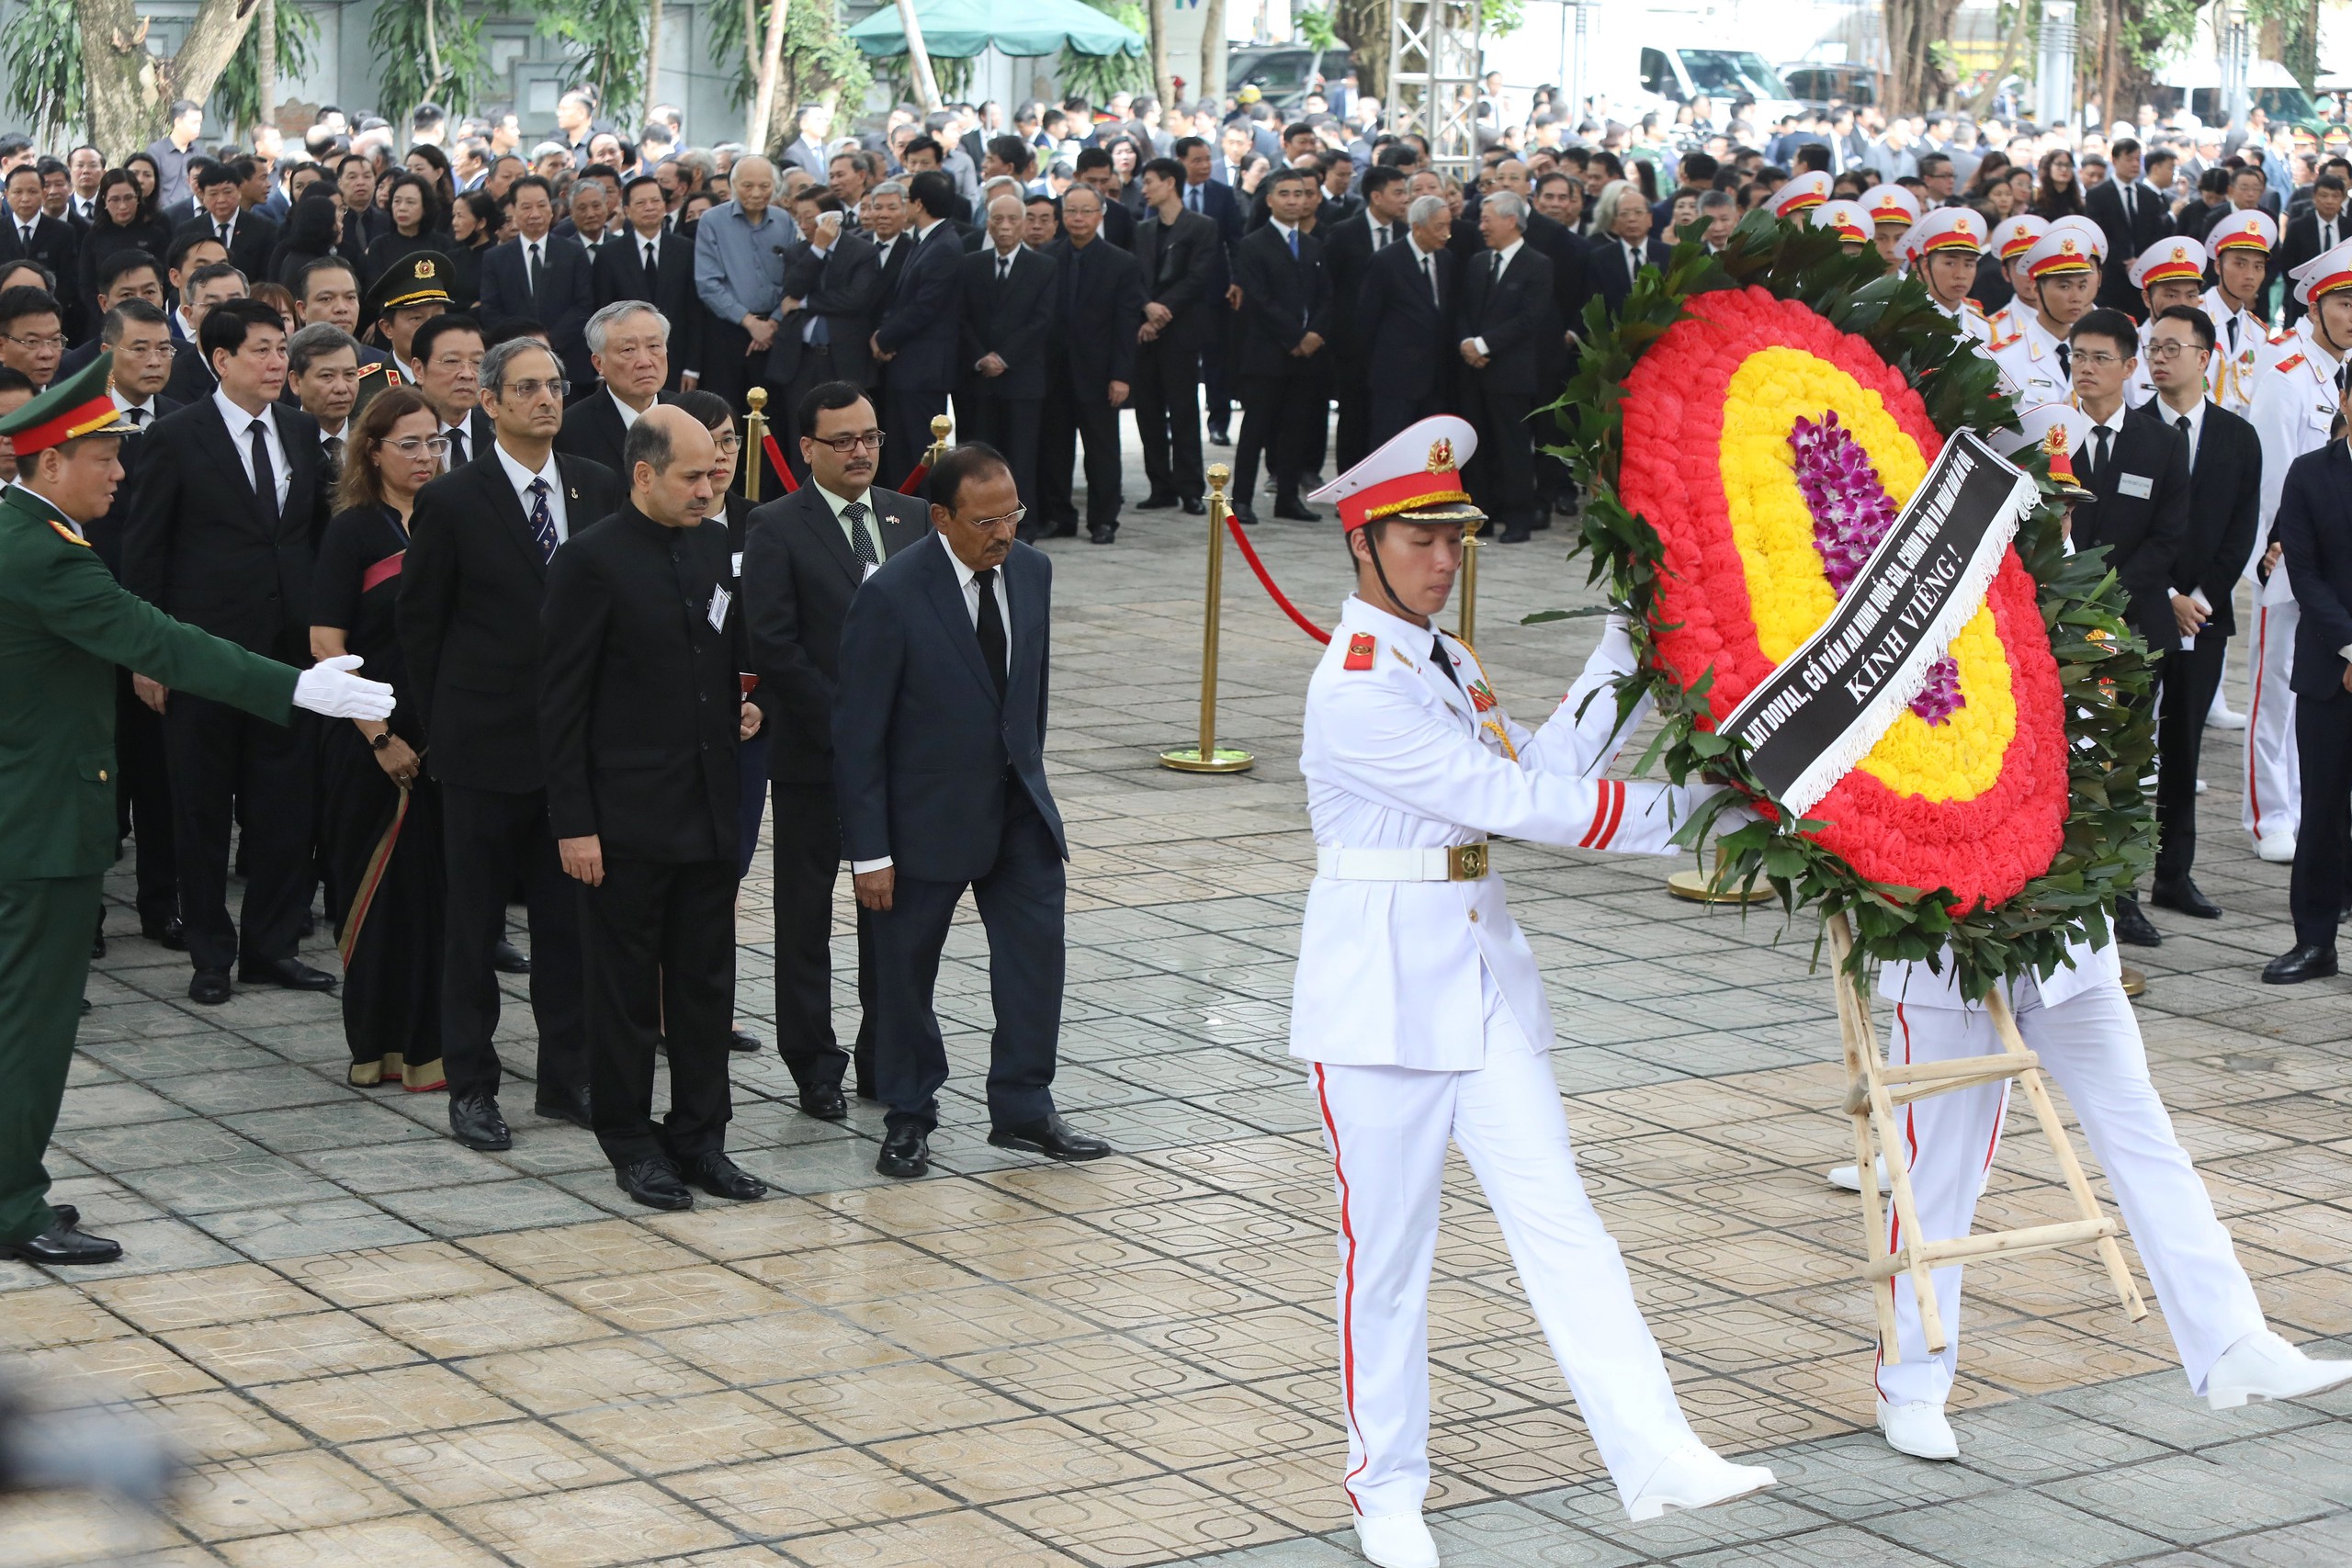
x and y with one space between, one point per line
384 1350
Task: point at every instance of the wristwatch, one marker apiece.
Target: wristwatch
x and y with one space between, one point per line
380 742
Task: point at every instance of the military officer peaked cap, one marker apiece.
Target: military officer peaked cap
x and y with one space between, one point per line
1891 205
1802 194
73 406
2250 231
421 277
2170 261
2019 235
2058 431
1416 476
2325 273
1947 229
1849 220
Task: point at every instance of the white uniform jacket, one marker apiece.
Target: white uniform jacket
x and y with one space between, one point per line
2030 358
2231 376
1969 322
1390 973
1912 983
2294 408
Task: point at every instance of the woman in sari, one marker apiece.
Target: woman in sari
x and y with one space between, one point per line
380 815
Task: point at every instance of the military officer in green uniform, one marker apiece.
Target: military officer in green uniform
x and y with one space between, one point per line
64 625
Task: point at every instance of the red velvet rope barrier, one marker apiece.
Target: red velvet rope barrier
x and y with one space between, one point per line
775 460
1249 554
913 481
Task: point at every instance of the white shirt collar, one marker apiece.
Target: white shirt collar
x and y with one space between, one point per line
1363 616
521 477
2173 416
2112 423
1286 230
1510 252
47 505
842 504
126 405
239 421
923 234
1417 251
629 416
964 575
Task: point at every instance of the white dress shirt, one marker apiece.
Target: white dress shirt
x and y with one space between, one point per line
2173 416
841 503
520 478
2113 425
145 413
629 416
1499 266
240 425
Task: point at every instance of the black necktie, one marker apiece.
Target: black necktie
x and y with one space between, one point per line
1004 270
1428 270
652 262
2125 192
1380 236
265 477
1444 659
861 542
138 418
992 629
2099 452
531 273
2234 335
457 439
2066 361
334 455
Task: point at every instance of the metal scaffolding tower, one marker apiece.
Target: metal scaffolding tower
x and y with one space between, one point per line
1433 78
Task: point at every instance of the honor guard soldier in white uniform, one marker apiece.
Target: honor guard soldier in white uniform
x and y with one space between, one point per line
2170 272
1849 220
1801 194
2294 409
2061 285
1893 211
1419 1007
2012 237
1943 250
2241 246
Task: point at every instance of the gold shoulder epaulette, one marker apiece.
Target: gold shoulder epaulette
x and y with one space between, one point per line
68 534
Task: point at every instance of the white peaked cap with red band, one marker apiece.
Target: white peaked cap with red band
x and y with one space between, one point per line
2017 235
2254 229
1849 220
2058 430
1802 193
1891 204
2168 261
2324 274
1416 473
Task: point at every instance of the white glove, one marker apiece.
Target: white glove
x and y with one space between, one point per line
329 688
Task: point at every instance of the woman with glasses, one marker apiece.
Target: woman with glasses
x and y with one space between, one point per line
125 220
418 225
379 820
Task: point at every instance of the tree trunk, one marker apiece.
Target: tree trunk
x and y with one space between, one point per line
771 61
131 90
1159 83
265 65
2011 47
918 57
1363 25
1212 86
652 59
1913 27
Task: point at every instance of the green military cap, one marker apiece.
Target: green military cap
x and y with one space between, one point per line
421 277
73 407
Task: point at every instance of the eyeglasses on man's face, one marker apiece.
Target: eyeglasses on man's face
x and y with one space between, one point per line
2096 359
2173 348
845 445
531 391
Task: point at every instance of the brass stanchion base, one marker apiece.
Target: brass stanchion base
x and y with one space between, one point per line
1701 888
1220 760
2134 981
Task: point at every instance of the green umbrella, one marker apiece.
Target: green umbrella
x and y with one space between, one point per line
958 30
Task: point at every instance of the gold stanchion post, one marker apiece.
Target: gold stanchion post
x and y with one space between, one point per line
1470 548
1208 756
940 425
755 430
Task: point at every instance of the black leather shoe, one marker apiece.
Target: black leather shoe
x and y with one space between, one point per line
1564 505
722 1178
166 932
1053 1137
654 1183
2132 927
1109 536
1063 531
1244 514
2305 962
60 1246
1220 438
906 1152
824 1104
2182 897
508 959
742 1040
98 939
209 987
1158 500
475 1122
1194 506
1516 536
1290 509
67 1214
563 1104
290 972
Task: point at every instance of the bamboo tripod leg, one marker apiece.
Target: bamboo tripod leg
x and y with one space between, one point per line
2069 1168
1855 1008
1866 1167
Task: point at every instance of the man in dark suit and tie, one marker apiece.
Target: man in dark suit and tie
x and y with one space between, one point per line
1179 254
1218 204
446 367
629 345
1099 293
642 260
1348 246
919 329
541 276
29 234
469 616
1008 328
2131 216
833 290
939 739
248 237
640 715
1616 255
2313 530
1281 334
2225 495
222 532
2315 233
1508 329
1404 314
804 556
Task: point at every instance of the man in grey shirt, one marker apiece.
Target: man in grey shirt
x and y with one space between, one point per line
175 199
739 273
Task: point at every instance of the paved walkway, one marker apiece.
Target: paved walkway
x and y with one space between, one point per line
384 1350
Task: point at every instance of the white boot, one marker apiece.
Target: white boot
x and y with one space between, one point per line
1918 1430
2223 717
1395 1541
2277 848
1849 1177
2263 1366
1692 1476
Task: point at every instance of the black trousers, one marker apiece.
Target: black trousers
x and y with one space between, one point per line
906 421
492 838
730 368
1168 415
816 368
660 941
1216 392
1008 424
1281 419
144 802
1388 410
227 765
1502 476
2322 856
2191 676
807 849
1352 392
1020 900
1067 415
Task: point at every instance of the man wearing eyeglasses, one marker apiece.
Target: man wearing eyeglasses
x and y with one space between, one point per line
804 555
32 333
469 617
445 364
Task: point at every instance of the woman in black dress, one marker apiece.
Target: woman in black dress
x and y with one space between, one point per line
473 229
379 820
312 225
126 221
417 225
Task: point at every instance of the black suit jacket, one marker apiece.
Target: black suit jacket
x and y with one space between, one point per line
1017 322
2143 533
249 243
923 749
1519 318
2151 220
844 286
195 543
565 299
592 429
1405 331
1604 269
618 273
1098 295
637 701
1179 266
799 575
57 245
1283 298
2314 527
920 325
471 589
2224 506
1347 251
105 531
2299 244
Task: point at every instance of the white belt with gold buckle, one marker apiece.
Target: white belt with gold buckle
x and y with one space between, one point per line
1451 862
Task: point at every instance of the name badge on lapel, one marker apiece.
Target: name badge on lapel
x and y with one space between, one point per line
720 600
2139 487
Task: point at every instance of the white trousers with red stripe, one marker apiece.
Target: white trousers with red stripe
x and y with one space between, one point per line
2273 782
2091 1045
1387 1128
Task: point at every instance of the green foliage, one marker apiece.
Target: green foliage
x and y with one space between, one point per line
820 63
41 51
607 40
1500 19
2104 668
239 89
409 37
1314 27
1096 77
